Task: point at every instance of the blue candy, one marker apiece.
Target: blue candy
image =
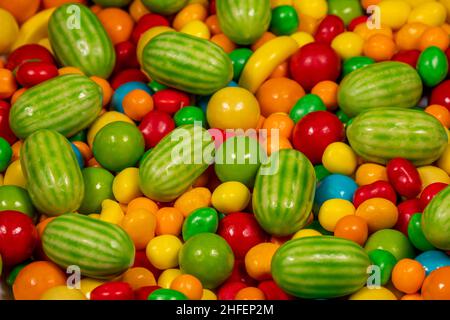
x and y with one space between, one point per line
335 186
432 260
123 90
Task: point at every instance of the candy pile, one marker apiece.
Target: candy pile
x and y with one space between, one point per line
227 149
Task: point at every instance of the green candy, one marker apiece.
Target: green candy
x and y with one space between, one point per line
5 154
166 294
118 145
415 234
345 119
385 261
305 105
202 220
393 241
284 20
165 7
15 271
156 86
17 199
355 63
98 187
347 10
432 66
208 257
189 115
238 159
321 172
239 58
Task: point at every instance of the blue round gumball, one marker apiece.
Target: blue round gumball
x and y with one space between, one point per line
334 186
432 260
123 90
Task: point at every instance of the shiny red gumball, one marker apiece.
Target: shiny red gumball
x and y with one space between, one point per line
170 100
404 177
128 75
29 52
242 232
31 73
314 132
356 22
330 27
5 130
155 126
430 192
313 63
272 291
405 210
143 292
141 260
229 290
113 291
378 189
240 274
441 95
146 22
125 56
18 237
212 7
407 56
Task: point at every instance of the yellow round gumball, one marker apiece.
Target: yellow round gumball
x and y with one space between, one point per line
126 185
334 210
430 13
348 45
230 197
14 175
302 38
162 251
208 295
197 28
111 212
89 284
306 233
394 13
316 9
63 293
432 174
277 3
379 293
139 277
9 33
444 160
167 276
339 158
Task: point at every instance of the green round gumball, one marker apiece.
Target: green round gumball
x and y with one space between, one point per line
200 221
355 63
284 20
305 105
98 187
118 145
393 241
239 58
238 159
208 257
189 115
432 66
5 154
385 261
347 10
166 294
17 199
415 233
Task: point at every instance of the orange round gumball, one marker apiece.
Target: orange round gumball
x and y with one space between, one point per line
107 91
273 145
408 276
281 122
213 24
250 293
56 3
8 84
137 10
139 277
281 71
327 91
441 113
169 220
434 36
189 285
137 103
352 228
266 37
437 285
408 37
142 203
379 47
414 296
258 260
22 10
224 42
117 23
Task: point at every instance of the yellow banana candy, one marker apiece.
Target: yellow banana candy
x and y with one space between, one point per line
264 60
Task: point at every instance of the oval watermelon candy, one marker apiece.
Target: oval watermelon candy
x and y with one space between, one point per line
436 220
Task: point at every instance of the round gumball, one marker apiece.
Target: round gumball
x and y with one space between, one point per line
16 198
167 276
390 240
170 100
188 285
408 56
437 285
339 157
379 213
138 277
332 211
193 199
137 103
355 63
432 260
378 189
441 95
404 177
98 187
353 228
162 251
314 132
239 58
272 291
415 233
258 260
18 237
229 290
405 211
5 130
190 115
123 90
118 145
208 257
432 66
305 105
200 221
169 220
155 126
242 232
166 294
231 196
329 28
335 186
284 20
32 73
385 261
347 10
250 293
408 276
113 291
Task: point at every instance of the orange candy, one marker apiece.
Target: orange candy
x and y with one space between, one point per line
441 113
278 95
106 89
434 36
327 91
189 285
414 296
85 151
192 200
279 121
17 95
137 103
273 145
282 71
258 260
117 23
143 203
139 277
352 228
36 278
16 150
408 37
408 276
250 293
266 37
213 24
363 30
22 10
369 173
41 225
308 24
379 213
69 70
7 84
379 47
140 225
137 10
367 3
169 220
224 42
56 3
188 14
437 285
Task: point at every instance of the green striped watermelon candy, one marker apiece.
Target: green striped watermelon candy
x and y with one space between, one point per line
436 220
67 104
384 84
379 135
320 267
244 21
54 179
100 249
175 163
187 63
166 7
78 39
283 199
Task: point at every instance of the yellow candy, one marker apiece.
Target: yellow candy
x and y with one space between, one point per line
332 211
429 13
147 36
167 276
126 185
446 4
316 9
103 120
189 13
394 13
14 175
94 215
63 293
348 45
197 28
89 284
162 251
416 3
444 161
138 278
230 197
1 179
373 294
368 173
339 158
302 38
208 295
9 31
111 212
306 233
431 174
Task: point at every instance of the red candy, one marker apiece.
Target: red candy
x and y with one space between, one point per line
378 189
5 130
314 132
170 100
330 27
404 177
430 192
229 290
356 22
272 291
125 56
405 210
441 95
128 75
18 237
31 73
143 292
407 56
113 291
146 22
313 63
240 274
242 232
141 260
29 52
155 126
